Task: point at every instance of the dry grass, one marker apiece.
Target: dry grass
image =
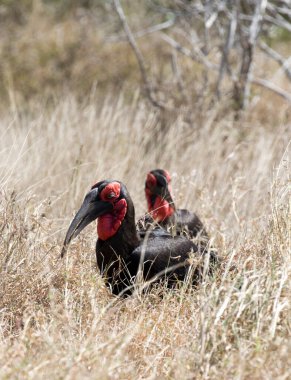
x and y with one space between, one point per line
57 318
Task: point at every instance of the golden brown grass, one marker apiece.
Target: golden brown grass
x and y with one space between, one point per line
57 318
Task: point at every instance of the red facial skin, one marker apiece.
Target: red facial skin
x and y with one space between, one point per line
108 224
151 180
161 209
167 175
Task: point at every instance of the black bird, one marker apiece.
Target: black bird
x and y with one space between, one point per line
121 253
163 211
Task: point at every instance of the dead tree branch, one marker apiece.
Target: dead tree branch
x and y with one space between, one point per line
227 46
138 54
197 56
141 33
223 36
272 87
284 63
248 38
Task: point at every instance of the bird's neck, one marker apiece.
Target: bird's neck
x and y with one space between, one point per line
125 240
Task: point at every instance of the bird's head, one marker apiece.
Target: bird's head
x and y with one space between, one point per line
107 201
158 194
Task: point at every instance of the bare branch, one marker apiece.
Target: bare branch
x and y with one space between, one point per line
272 87
285 63
228 26
248 43
138 54
177 73
279 22
144 32
284 11
198 57
256 21
227 46
210 21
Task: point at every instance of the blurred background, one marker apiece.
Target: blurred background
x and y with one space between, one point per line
182 54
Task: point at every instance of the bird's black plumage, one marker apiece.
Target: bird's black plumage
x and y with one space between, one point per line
162 209
123 253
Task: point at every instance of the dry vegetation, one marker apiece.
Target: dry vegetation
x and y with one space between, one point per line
57 319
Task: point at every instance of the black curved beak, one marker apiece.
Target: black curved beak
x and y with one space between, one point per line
90 210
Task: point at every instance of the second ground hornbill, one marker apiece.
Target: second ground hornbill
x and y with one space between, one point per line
162 208
120 251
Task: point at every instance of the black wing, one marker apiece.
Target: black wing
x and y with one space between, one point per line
156 232
162 256
147 227
190 222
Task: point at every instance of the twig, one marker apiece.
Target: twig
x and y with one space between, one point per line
285 63
279 22
284 11
272 87
177 73
257 20
208 21
253 36
144 32
227 46
138 54
198 57
211 20
248 44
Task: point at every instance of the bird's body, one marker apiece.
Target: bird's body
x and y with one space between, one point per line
158 257
122 253
185 222
162 209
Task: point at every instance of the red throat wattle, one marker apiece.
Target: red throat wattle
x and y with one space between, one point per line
108 224
167 175
161 209
151 181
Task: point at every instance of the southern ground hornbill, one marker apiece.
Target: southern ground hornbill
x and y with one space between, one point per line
122 254
162 208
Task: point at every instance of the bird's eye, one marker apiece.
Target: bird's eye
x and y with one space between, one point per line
111 195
